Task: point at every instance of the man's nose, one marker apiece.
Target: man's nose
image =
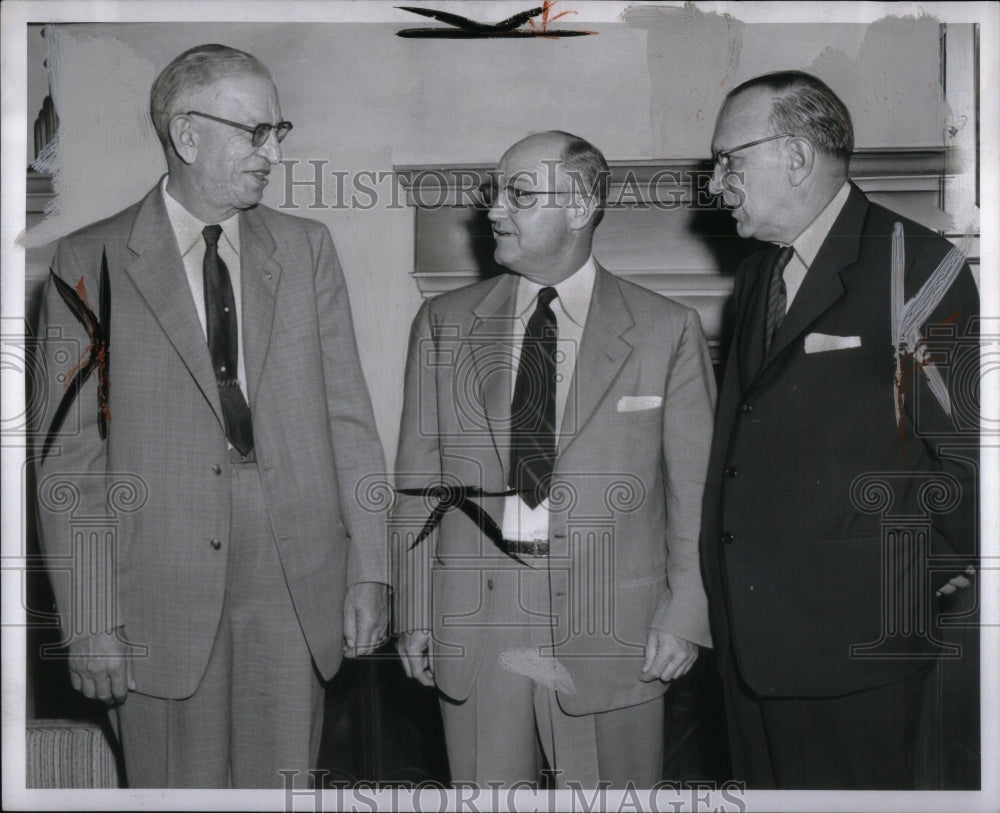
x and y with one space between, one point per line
271 148
498 209
715 181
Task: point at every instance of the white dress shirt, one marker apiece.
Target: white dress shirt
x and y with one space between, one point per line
808 244
573 295
191 244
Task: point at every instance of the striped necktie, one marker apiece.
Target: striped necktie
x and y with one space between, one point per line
777 297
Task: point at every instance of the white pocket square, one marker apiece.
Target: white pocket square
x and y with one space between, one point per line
634 403
823 342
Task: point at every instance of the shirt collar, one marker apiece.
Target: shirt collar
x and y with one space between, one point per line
188 228
808 244
574 293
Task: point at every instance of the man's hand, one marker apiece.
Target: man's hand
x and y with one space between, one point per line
415 651
366 618
667 657
98 667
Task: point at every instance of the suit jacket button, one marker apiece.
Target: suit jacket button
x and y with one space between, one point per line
745 407
731 472
216 544
727 538
216 468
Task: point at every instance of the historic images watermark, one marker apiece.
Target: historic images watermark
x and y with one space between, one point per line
425 797
91 557
664 189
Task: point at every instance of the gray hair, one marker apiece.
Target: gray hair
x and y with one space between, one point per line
588 170
805 106
196 68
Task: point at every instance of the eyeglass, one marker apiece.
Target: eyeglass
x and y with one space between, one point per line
488 194
260 131
721 157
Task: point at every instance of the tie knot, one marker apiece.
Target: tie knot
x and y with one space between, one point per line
211 234
784 256
546 295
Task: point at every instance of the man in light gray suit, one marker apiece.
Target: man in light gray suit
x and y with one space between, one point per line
223 412
561 597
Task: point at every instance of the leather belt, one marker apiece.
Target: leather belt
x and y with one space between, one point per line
517 548
236 457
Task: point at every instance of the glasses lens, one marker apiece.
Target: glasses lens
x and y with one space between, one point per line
263 131
260 134
521 198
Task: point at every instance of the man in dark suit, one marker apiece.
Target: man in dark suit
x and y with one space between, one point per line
576 408
225 425
843 456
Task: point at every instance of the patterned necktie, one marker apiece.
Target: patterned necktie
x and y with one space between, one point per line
220 325
533 408
777 297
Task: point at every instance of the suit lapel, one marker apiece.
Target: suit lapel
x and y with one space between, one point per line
602 353
158 273
823 284
259 277
493 326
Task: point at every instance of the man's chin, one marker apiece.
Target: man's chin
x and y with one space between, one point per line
501 257
249 201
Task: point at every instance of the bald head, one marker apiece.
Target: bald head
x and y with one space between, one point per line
551 191
583 163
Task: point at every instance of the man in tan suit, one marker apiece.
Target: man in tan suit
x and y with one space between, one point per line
560 611
226 419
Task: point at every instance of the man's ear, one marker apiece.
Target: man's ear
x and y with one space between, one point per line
801 156
184 138
582 209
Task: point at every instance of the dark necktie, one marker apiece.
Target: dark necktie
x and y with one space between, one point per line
533 408
220 325
777 297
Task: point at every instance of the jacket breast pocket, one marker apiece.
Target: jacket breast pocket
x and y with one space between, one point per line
638 417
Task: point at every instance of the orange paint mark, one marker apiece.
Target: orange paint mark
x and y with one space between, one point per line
81 291
906 365
546 19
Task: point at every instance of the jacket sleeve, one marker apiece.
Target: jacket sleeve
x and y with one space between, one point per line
418 465
950 432
359 458
76 497
689 405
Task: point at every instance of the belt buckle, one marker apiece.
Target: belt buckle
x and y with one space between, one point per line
538 548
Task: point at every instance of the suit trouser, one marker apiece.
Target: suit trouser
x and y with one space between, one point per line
500 731
859 741
259 706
